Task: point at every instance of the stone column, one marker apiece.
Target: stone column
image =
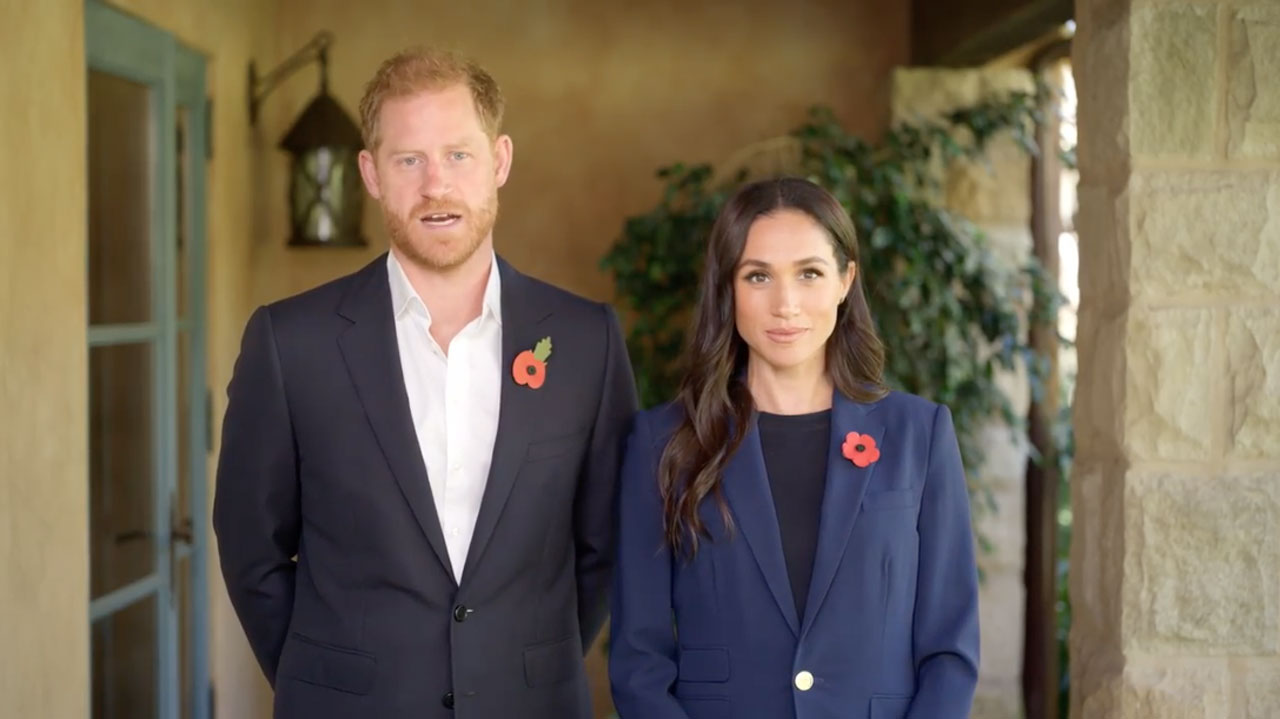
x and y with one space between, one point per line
1175 579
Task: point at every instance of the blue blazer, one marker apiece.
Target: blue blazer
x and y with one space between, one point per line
890 629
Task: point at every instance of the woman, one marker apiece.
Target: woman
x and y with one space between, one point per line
806 530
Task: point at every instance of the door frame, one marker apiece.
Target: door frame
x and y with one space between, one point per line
122 45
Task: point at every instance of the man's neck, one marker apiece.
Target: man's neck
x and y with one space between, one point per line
455 296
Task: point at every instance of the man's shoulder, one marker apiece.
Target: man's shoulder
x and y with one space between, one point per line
555 297
552 299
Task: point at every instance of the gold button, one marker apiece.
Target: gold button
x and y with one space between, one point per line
804 681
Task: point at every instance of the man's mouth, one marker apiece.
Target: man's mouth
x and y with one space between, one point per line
439 219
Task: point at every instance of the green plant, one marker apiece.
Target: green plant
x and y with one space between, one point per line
952 314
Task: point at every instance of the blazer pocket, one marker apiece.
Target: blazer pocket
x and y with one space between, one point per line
890 499
555 446
552 663
889 706
705 708
704 665
326 665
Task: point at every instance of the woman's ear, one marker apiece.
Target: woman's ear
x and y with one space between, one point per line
850 273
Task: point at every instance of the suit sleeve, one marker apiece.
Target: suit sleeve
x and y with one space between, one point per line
642 649
945 632
594 530
256 499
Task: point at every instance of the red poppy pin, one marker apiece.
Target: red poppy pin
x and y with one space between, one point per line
530 367
860 449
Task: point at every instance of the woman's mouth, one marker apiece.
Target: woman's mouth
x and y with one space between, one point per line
786 334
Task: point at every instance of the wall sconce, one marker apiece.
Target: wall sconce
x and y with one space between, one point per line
326 197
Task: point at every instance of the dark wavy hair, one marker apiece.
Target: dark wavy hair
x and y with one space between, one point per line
717 405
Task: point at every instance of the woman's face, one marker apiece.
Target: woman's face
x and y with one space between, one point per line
787 288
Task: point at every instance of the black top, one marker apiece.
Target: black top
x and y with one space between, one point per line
795 458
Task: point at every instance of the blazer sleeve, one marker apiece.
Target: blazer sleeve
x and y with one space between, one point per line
256 511
945 633
642 650
594 529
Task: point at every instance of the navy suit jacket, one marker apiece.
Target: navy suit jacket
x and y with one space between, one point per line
328 535
890 629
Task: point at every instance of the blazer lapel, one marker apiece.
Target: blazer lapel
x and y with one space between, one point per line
372 354
518 410
746 488
842 497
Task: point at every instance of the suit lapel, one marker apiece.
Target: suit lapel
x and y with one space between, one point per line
372 354
519 406
746 488
842 497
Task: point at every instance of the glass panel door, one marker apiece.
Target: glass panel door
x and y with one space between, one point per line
148 416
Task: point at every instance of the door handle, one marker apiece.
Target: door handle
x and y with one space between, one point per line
132 535
181 532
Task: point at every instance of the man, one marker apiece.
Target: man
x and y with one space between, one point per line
419 460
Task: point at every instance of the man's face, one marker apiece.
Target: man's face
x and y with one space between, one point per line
436 174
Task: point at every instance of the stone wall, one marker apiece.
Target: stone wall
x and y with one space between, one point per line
1175 579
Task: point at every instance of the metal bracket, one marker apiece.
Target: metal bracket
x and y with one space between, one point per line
260 87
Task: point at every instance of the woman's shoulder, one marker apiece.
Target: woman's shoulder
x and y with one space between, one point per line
898 406
909 421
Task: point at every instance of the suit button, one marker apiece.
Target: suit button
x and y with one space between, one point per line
447 700
460 613
804 681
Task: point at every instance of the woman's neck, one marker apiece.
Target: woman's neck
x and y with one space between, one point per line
795 390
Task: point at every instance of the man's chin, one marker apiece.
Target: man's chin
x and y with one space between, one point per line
439 254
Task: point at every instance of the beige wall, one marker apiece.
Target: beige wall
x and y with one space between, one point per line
599 95
44 582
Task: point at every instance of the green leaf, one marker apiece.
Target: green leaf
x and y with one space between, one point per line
542 351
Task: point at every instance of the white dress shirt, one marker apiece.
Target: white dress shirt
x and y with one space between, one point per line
454 400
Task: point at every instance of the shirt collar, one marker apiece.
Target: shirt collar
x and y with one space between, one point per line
404 297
